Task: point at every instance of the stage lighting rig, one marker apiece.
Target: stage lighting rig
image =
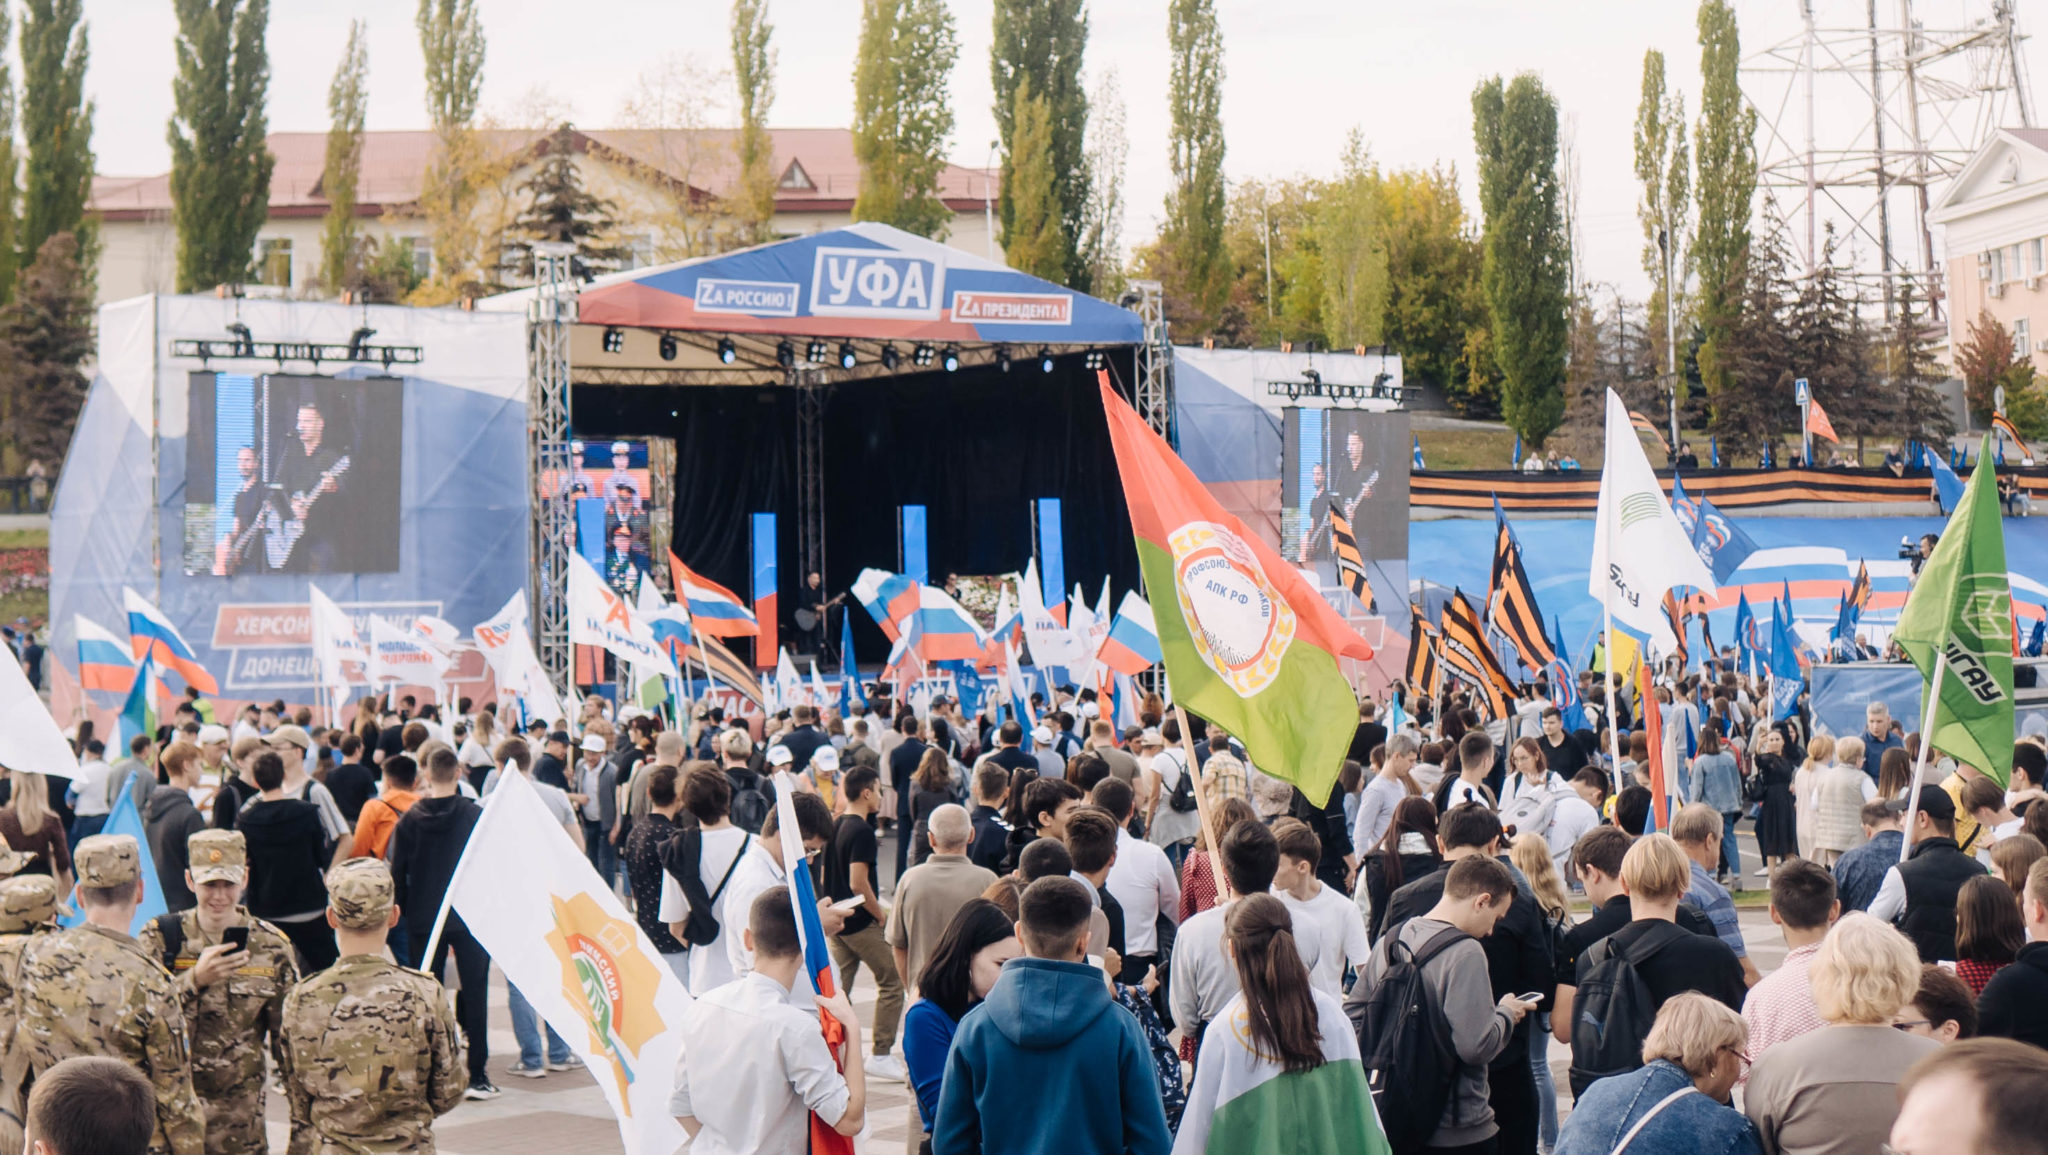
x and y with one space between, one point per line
815 352
922 356
847 357
358 340
1097 359
890 358
727 354
668 346
1003 358
785 355
614 339
245 341
950 361
1044 359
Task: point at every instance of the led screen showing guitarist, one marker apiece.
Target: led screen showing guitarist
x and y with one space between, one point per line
313 471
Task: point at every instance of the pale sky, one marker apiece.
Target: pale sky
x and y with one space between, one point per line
1300 74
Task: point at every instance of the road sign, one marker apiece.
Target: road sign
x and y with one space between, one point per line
1802 394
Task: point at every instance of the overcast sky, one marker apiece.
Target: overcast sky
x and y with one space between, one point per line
1300 73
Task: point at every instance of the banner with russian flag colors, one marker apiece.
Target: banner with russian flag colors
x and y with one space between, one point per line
1045 637
1246 640
600 617
151 633
104 662
1132 646
887 597
803 901
941 630
715 609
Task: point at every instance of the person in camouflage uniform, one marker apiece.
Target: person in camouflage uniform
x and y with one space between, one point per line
28 907
91 990
233 999
370 1051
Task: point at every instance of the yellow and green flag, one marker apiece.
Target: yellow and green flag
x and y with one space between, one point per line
1248 643
1960 613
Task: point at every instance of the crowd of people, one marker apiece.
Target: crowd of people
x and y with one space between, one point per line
1053 919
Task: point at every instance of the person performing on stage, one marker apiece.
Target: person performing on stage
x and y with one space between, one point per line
315 470
241 548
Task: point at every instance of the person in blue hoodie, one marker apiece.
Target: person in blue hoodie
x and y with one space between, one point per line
1050 1024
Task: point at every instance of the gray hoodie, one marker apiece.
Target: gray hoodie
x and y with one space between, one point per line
1480 1029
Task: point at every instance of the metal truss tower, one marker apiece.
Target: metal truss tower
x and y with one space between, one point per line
1864 110
550 318
1155 359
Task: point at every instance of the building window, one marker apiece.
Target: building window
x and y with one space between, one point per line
1997 267
422 255
274 262
2021 338
794 177
2037 258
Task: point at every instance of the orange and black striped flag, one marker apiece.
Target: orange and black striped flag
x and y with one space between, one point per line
1350 563
1425 672
1859 590
1467 655
725 666
1511 600
2003 424
1677 613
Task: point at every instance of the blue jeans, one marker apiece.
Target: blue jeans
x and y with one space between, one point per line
603 856
1731 854
526 1028
1546 1091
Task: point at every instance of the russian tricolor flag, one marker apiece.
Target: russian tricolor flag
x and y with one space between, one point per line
103 659
940 630
887 597
817 959
152 635
714 610
1132 646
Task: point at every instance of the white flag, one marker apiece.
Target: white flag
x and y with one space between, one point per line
1640 550
789 686
818 696
1047 641
29 738
339 650
567 942
401 656
600 617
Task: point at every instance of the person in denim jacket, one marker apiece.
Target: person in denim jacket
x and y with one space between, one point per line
1678 1100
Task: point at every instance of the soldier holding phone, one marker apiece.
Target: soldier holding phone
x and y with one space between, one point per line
232 972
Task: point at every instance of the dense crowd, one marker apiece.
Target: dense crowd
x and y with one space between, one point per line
1065 913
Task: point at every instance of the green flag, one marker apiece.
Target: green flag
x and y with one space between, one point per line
1961 610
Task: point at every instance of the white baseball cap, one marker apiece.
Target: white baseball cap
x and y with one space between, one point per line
211 733
779 756
1041 734
594 742
1090 710
825 758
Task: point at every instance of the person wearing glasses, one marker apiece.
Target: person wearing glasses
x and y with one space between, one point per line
1677 1101
1835 1091
762 867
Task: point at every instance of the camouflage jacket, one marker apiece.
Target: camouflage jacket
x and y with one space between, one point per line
229 1021
371 1055
92 991
11 948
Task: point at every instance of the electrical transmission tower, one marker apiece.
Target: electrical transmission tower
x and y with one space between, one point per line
1864 110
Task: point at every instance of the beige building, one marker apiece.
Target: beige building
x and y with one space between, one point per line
1992 222
667 187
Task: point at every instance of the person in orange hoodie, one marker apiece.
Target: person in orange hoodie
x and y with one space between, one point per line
380 814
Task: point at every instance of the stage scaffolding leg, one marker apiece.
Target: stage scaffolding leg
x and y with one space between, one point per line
810 476
1155 362
549 320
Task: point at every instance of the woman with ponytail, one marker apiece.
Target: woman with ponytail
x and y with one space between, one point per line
1285 1074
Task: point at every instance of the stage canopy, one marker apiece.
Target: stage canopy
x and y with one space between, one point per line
882 293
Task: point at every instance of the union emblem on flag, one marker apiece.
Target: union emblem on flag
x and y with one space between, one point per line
1242 627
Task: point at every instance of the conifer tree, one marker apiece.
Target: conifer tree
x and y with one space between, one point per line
561 210
45 335
220 164
56 129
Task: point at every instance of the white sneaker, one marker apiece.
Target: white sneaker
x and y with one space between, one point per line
887 1068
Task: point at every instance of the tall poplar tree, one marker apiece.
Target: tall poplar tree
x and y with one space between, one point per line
753 73
901 114
56 128
1526 270
1665 170
452 43
1033 242
1352 238
9 189
1193 261
347 96
1725 149
1042 42
220 165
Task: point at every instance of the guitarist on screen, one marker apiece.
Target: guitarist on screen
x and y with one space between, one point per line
242 549
313 471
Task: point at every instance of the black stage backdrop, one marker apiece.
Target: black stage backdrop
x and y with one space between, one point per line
974 447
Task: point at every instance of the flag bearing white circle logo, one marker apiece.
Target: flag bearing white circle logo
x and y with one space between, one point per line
1239 623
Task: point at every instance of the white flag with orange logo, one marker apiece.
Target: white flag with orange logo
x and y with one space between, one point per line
567 942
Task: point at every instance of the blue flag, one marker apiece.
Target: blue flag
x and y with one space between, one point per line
1418 454
1948 488
1564 688
850 690
1786 679
124 820
2039 638
1720 542
1516 460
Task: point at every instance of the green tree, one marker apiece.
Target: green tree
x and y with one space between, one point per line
1108 152
753 72
9 189
559 209
1192 261
452 44
1352 238
1271 225
220 165
1725 159
45 335
56 128
1914 373
901 114
1985 360
347 96
1040 44
1754 404
1434 297
1526 266
1033 242
1664 168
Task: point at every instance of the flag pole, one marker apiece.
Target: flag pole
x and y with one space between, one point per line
1187 738
1926 748
448 898
1607 677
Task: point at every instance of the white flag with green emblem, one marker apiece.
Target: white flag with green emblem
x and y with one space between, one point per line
1640 549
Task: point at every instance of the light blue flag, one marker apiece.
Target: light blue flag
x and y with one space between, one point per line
1786 678
1947 486
125 820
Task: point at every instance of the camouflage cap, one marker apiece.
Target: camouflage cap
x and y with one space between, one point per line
26 902
359 893
107 860
12 861
217 856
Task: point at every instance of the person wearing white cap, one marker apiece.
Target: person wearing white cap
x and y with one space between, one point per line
1049 763
824 774
214 765
598 806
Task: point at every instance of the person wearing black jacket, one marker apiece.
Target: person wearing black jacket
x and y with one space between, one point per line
552 767
1368 735
1338 858
172 819
425 847
287 865
1518 960
991 833
903 762
2014 1004
351 783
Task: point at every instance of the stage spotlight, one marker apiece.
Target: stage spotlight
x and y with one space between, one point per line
922 355
815 352
889 358
1044 360
726 353
245 341
1003 358
357 340
785 355
846 355
614 340
1096 359
951 360
668 346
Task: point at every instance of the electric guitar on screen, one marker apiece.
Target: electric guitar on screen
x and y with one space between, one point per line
279 545
238 550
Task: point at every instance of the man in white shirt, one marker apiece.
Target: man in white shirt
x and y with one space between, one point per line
1382 794
1167 828
762 867
1321 913
757 1067
89 792
1204 977
708 857
1141 881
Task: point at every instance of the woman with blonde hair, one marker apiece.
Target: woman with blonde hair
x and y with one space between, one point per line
29 826
1836 1089
1674 1102
1531 855
1837 794
1820 753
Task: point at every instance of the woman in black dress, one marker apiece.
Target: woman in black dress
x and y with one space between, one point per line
1407 852
930 788
1777 820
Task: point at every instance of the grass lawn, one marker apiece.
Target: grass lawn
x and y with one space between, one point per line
1449 449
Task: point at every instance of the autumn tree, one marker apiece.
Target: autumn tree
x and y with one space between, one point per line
347 98
1434 298
1040 44
1526 265
1103 216
1034 241
1987 359
1663 166
1352 238
452 44
902 115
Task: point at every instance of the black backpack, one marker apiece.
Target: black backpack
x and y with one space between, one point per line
1613 1009
1410 1062
1182 797
750 803
685 861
